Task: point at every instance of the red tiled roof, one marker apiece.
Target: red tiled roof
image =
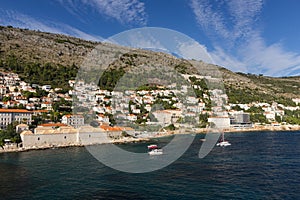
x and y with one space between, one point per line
52 124
6 110
110 128
70 115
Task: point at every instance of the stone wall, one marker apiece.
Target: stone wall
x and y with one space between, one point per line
49 140
44 137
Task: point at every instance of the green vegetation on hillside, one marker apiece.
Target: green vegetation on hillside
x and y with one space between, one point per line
47 74
278 85
110 78
292 117
247 95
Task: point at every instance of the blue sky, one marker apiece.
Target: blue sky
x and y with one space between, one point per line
252 36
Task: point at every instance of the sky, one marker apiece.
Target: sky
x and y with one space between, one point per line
250 36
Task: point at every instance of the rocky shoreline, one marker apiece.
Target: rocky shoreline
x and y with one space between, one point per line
15 148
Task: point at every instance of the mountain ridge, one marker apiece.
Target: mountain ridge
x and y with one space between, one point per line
21 47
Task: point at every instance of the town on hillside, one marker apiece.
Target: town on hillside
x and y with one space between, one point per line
40 116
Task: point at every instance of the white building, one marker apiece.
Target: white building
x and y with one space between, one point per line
3 89
21 127
163 116
8 116
46 87
220 122
270 115
296 100
131 117
166 117
46 105
73 120
103 118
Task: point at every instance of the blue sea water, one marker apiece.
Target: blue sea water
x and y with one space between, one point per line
258 165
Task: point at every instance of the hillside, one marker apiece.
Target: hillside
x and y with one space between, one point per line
46 58
245 88
34 46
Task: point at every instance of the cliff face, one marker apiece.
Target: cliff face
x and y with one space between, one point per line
54 50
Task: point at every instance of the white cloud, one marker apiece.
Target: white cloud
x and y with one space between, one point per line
124 11
256 57
220 57
230 20
208 18
245 13
194 50
20 20
272 59
238 44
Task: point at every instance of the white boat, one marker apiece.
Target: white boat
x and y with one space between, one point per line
223 142
155 152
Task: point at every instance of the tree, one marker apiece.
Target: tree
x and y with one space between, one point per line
6 99
10 133
111 119
258 118
203 120
28 94
171 127
55 116
278 118
129 106
237 108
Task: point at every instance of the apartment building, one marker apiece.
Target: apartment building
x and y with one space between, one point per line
73 120
8 116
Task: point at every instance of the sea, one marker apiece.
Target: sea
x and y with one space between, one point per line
258 165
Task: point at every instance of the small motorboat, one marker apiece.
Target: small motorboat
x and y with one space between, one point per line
155 152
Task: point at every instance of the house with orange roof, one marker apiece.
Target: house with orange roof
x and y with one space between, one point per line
21 99
112 131
30 106
103 118
131 117
8 116
46 105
